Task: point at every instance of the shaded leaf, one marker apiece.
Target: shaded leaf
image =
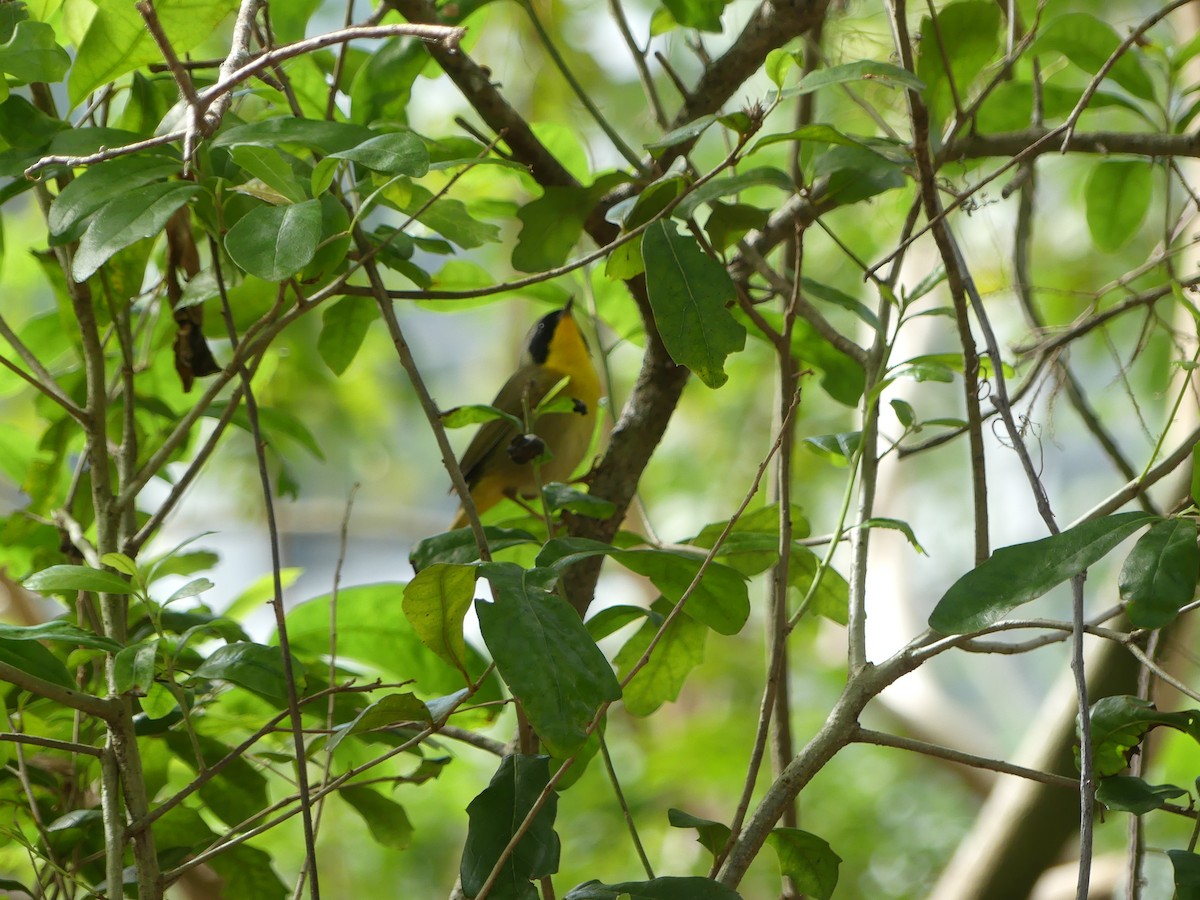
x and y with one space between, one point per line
36 660
256 667
807 859
1187 874
678 651
563 496
545 655
1119 723
459 546
1159 575
496 814
669 887
688 293
1088 42
140 213
1117 197
1124 793
383 712
343 327
385 818
711 835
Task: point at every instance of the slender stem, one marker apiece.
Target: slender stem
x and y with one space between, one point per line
289 674
580 92
629 823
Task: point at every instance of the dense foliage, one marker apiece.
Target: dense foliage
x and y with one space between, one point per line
895 310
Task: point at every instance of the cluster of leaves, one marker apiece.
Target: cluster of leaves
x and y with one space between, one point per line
313 186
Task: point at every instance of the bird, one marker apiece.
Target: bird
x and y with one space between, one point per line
499 462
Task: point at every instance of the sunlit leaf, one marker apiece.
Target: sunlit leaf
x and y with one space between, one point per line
1023 572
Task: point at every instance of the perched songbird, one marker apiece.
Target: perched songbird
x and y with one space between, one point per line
500 460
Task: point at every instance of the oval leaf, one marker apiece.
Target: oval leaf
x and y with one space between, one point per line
1159 575
545 655
64 579
1023 572
688 293
435 603
275 242
808 860
138 214
1117 197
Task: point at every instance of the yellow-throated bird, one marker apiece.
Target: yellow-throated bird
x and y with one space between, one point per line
498 463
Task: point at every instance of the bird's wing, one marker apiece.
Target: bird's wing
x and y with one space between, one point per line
499 433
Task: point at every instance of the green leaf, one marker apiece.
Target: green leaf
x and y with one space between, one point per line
807 859
343 327
246 872
59 630
397 153
385 818
496 814
117 40
720 600
1159 575
140 213
271 168
856 173
967 35
711 835
1023 572
682 134
1117 197
551 225
275 242
133 667
159 702
669 887
545 655
459 546
449 218
1124 793
1119 723
33 658
688 294
68 579
25 127
1187 874
703 15
734 184
777 65
315 134
255 667
895 525
237 792
32 54
563 496
838 448
383 712
1088 42
727 223
476 414
863 70
611 618
436 603
372 633
382 86
680 650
